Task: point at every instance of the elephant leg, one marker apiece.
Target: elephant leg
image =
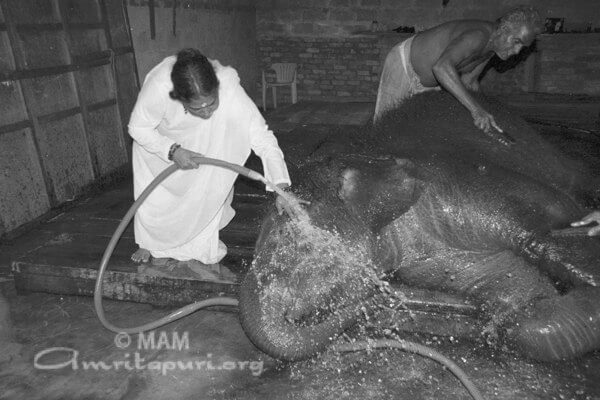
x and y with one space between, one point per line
421 259
520 299
560 327
499 282
517 214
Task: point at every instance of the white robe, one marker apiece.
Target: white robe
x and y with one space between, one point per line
181 218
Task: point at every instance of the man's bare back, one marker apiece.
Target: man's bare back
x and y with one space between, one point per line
451 38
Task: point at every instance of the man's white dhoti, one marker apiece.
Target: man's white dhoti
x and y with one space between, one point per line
182 217
398 81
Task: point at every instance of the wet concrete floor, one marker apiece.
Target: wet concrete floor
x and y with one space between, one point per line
67 354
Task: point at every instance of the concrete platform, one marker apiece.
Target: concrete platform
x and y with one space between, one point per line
65 253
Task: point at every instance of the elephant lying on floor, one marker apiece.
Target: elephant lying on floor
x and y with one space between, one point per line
446 220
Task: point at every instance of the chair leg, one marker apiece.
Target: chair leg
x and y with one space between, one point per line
274 97
294 93
264 97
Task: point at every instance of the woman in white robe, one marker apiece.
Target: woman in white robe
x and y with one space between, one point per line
191 106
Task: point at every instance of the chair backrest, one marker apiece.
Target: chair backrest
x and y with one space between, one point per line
284 72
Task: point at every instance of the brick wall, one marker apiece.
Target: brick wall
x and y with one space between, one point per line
570 63
332 68
563 63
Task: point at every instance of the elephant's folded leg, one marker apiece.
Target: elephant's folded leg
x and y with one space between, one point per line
561 327
500 281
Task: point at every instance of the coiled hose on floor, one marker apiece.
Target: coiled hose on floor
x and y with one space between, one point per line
228 301
416 348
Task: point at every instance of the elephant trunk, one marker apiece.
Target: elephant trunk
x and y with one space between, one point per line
267 321
308 282
560 327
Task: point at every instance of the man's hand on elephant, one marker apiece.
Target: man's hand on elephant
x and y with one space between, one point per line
186 159
588 219
486 122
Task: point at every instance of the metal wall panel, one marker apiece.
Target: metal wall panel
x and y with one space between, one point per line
44 48
106 141
22 192
50 94
96 84
12 106
32 11
127 85
66 156
7 62
117 23
61 118
88 41
83 11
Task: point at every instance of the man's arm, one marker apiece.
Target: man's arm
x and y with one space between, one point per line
471 79
460 49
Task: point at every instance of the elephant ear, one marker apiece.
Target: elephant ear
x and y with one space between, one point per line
380 192
397 189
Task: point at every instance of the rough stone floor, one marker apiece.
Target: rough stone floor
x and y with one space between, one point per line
67 354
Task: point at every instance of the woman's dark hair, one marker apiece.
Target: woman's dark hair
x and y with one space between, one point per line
192 75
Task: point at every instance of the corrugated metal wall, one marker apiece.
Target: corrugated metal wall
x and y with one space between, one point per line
68 82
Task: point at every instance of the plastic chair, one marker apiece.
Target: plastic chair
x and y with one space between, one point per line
285 74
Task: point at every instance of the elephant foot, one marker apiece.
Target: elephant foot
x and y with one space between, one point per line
560 327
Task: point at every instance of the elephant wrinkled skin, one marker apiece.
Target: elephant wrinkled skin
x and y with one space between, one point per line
437 205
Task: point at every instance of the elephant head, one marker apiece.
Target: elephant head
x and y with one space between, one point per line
310 282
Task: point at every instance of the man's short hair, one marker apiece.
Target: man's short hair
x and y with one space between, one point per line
522 16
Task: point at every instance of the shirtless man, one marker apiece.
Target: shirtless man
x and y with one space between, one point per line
452 55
